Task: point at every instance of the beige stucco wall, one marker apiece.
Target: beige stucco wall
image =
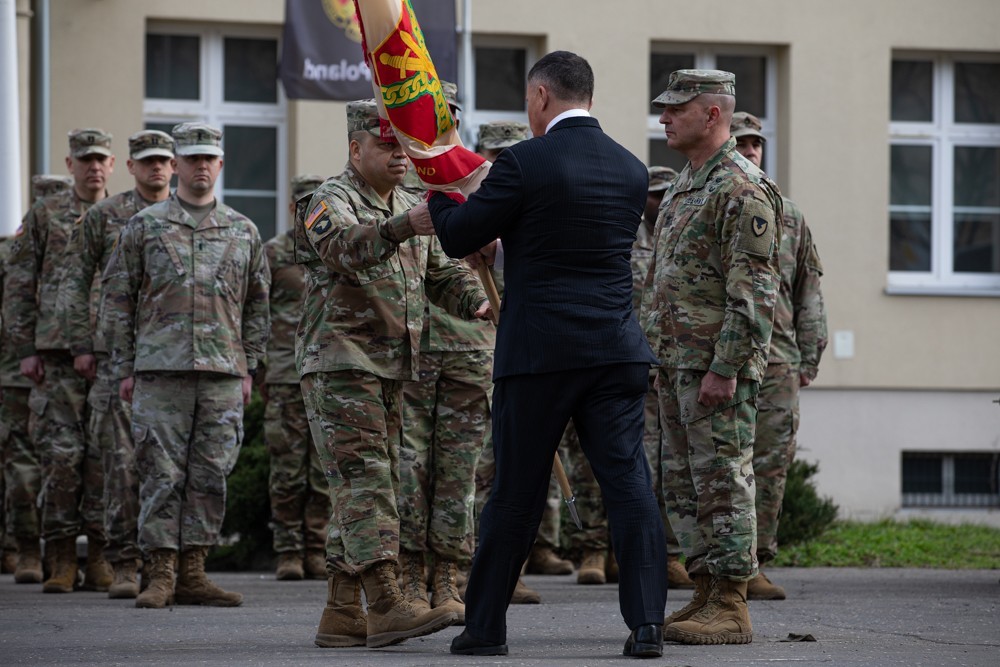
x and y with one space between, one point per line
834 64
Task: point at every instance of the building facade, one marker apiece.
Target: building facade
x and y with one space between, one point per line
883 124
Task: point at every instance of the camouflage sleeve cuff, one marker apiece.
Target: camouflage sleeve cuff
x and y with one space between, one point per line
124 370
397 229
809 371
25 351
724 369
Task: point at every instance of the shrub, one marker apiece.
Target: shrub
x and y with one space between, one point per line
804 514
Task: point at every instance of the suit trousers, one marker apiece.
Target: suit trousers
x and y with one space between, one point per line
530 413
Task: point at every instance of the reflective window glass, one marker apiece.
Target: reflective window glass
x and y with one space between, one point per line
173 67
751 82
500 74
912 90
977 92
251 70
660 67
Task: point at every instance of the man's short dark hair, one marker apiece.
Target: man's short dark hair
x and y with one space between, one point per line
566 75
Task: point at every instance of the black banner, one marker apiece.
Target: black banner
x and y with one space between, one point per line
321 56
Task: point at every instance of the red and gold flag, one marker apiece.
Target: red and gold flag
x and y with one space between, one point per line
410 97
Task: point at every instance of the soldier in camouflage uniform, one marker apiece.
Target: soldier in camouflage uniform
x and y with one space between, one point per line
797 344
445 413
93 241
72 484
300 496
358 341
22 470
185 302
708 312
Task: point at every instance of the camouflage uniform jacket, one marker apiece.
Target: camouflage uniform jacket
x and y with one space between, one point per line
447 333
642 257
799 315
10 365
715 273
90 247
367 276
186 297
287 291
34 274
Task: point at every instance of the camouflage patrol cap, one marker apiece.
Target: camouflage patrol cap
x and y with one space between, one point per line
43 185
660 178
303 184
501 134
362 115
450 91
89 141
150 143
197 139
686 84
746 125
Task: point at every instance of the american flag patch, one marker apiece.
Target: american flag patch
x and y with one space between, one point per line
315 215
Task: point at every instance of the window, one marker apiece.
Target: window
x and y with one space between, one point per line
500 67
756 92
944 158
951 480
227 78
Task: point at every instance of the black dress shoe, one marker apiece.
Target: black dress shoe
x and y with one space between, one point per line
466 644
646 641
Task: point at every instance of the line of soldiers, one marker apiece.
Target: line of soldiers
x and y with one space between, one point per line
134 326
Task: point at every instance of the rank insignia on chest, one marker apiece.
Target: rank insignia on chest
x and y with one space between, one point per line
759 225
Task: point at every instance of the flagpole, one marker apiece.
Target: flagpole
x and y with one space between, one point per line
465 91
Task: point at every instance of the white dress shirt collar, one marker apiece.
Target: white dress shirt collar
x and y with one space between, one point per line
571 113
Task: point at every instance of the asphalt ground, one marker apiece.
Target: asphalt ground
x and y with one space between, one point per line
857 616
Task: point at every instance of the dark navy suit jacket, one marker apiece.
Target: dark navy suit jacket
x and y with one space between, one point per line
566 206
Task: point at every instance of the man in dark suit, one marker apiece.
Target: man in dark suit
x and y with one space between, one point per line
566 206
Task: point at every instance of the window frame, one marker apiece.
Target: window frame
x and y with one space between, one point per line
943 134
705 57
948 498
212 108
472 115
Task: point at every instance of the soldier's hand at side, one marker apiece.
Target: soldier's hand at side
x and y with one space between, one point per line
420 219
85 366
486 255
804 380
485 311
715 389
33 368
247 389
125 388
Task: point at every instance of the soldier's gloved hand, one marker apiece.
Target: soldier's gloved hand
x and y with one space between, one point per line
85 366
247 389
125 389
33 368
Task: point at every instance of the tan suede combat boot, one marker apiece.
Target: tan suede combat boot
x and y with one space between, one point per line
8 562
315 564
343 622
677 576
591 568
762 588
412 583
158 580
524 595
97 574
29 562
698 600
125 584
542 560
194 587
446 589
289 567
61 554
391 619
724 618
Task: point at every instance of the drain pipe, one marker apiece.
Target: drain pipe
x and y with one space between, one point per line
10 140
42 74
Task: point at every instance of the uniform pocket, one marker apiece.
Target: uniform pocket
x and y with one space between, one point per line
37 402
379 271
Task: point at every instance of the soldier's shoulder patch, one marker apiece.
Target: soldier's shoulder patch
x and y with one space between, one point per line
20 231
318 222
756 229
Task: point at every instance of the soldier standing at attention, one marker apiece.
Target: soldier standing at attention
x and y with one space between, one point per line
445 413
72 482
22 470
90 247
714 282
358 341
797 344
300 496
186 310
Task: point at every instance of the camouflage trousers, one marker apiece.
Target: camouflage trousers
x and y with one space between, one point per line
300 496
652 443
774 450
486 470
111 432
22 468
356 424
72 474
445 414
708 474
188 429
